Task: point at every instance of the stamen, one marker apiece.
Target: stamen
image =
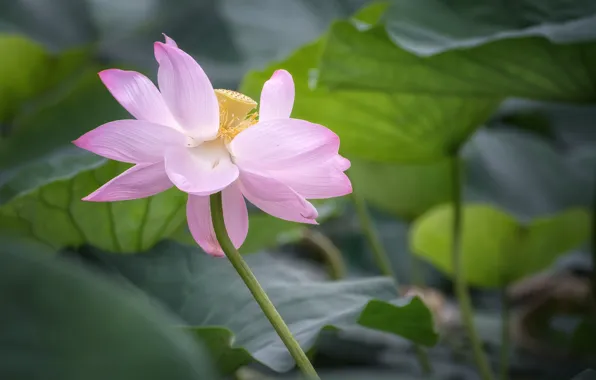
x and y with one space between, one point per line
234 113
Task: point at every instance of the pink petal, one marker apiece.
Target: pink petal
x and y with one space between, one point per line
277 97
202 170
133 141
282 143
187 91
341 163
276 198
170 41
235 214
138 95
315 181
198 213
140 181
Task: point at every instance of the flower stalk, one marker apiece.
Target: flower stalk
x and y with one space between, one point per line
256 290
461 287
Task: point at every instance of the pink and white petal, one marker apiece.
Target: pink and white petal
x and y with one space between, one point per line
188 92
276 198
282 143
170 41
138 95
315 182
198 215
198 172
277 97
140 181
200 224
132 141
235 214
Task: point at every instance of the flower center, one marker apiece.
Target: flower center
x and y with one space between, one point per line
236 113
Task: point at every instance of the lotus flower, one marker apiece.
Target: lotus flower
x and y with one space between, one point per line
203 141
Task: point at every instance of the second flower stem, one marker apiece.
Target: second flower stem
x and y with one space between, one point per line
461 287
257 291
383 263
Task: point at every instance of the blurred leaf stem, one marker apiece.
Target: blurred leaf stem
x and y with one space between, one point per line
382 260
328 251
593 237
256 290
505 341
461 287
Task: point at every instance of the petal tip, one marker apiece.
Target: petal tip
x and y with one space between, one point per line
107 76
281 72
169 41
81 142
89 198
215 252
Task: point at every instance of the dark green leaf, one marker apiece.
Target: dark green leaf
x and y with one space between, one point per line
207 292
62 322
527 176
526 67
428 27
219 341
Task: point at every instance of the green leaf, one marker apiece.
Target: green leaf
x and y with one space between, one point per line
371 13
496 250
524 67
412 320
404 190
368 123
29 72
545 239
22 72
56 215
428 27
69 324
373 125
206 292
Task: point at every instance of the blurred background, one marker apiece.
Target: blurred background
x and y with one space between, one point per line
504 89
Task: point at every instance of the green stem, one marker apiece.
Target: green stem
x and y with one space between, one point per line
328 250
505 341
383 263
461 287
257 291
